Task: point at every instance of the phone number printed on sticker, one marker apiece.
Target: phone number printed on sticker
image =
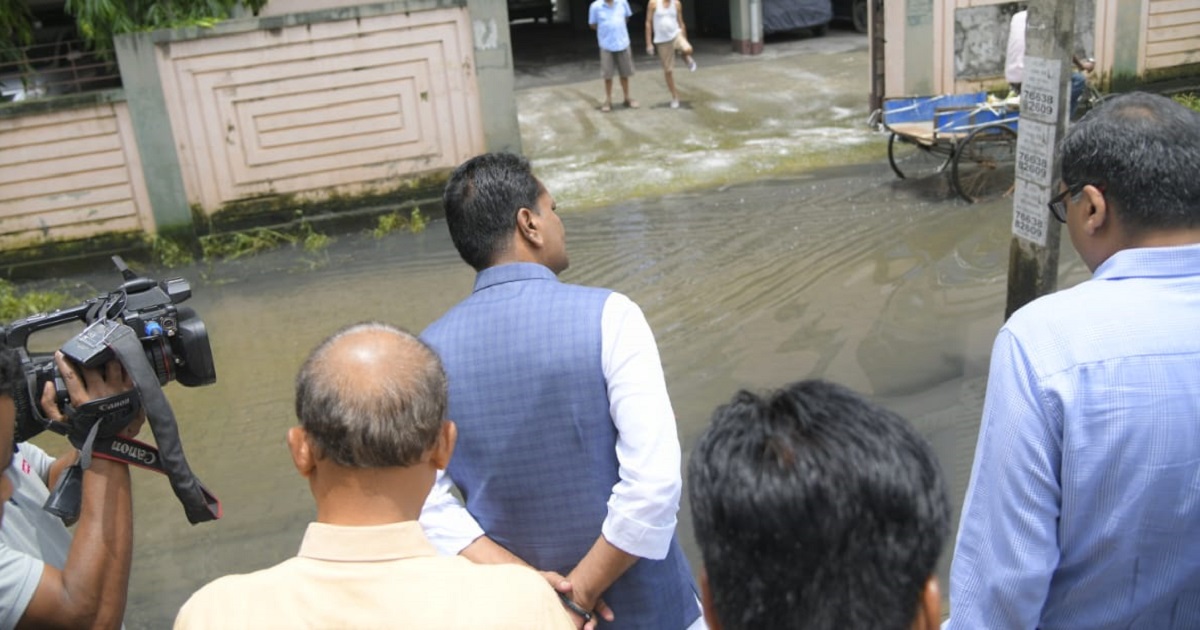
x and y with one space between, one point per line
1032 165
1027 224
1038 103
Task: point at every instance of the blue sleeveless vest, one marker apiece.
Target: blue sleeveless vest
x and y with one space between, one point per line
536 456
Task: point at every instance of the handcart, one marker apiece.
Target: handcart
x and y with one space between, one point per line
969 136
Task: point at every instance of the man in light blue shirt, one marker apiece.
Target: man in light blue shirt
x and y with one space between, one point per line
608 18
1083 509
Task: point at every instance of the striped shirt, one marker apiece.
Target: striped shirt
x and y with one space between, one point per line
1083 509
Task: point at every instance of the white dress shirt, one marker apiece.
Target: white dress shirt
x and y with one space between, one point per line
642 509
643 506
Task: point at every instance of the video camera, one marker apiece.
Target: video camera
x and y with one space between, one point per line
157 341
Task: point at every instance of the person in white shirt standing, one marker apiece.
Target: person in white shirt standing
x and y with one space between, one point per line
667 33
569 456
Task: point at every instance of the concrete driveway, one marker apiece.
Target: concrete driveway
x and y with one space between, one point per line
800 105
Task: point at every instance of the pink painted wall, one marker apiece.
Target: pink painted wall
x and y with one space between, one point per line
70 174
344 106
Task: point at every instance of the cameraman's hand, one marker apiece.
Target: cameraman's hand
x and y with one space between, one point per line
87 384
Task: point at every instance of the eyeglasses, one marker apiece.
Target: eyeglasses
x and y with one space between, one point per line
1058 203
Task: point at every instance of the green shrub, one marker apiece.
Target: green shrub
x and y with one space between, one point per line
388 223
171 253
237 244
1191 101
16 304
416 221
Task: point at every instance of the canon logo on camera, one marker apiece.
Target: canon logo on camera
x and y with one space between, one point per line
113 406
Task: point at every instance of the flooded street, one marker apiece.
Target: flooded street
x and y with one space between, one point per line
890 287
755 278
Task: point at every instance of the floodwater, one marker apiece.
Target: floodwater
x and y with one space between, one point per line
891 287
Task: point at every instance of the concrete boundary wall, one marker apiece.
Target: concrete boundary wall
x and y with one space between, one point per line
70 172
957 46
261 114
343 101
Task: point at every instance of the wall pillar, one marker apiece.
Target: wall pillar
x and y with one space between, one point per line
1127 47
494 70
745 26
136 56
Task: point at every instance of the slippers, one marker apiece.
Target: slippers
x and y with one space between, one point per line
631 104
607 107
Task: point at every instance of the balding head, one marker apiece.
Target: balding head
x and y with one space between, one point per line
371 396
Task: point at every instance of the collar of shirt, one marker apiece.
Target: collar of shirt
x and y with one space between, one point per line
368 543
512 272
1150 262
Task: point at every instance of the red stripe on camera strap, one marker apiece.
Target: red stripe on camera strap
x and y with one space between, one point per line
145 456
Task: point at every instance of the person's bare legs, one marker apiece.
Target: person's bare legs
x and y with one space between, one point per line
671 85
625 88
608 94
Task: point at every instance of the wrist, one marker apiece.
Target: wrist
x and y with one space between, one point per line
582 593
105 466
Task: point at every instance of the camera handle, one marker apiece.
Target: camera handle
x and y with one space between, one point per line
199 504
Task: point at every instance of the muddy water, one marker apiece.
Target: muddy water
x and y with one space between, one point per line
890 287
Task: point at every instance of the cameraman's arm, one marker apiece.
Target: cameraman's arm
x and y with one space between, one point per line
91 589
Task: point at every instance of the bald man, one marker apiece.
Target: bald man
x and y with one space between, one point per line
371 401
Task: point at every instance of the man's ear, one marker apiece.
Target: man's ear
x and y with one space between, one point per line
302 451
929 608
443 448
529 225
706 603
1099 214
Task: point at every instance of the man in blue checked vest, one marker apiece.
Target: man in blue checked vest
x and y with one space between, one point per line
568 457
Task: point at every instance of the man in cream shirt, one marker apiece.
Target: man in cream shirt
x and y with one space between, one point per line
371 401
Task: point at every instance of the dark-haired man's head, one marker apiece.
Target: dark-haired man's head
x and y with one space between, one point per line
11 378
371 401
1135 163
816 509
499 212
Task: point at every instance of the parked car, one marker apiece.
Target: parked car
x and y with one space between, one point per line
788 15
853 12
536 9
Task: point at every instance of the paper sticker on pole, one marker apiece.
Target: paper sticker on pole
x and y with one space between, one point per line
1030 213
1035 152
1039 92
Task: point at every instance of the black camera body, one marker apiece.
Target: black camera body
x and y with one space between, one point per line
174 339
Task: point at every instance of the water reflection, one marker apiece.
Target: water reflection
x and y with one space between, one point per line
889 287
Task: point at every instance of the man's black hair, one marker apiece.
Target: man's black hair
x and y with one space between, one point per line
1144 150
12 378
481 202
815 509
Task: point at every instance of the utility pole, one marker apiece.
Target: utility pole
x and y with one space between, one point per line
1045 98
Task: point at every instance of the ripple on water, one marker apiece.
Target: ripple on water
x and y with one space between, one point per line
892 288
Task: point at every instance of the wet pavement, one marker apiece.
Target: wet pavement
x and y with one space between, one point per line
800 105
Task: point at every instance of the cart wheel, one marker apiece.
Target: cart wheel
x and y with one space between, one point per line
985 164
858 14
912 160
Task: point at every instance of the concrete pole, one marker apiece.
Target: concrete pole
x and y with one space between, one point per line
745 26
1045 98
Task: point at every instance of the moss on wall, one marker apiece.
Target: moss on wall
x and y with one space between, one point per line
285 208
1162 80
335 213
29 261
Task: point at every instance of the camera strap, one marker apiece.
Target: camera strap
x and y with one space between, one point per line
198 503
132 452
